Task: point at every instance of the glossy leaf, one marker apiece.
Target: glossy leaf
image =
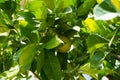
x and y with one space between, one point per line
26 56
54 42
105 11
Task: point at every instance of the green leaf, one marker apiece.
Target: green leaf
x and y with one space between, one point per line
85 7
28 30
3 28
116 3
54 42
103 27
3 36
95 41
40 61
26 56
2 1
50 4
52 67
62 60
105 11
8 7
61 5
97 59
92 25
10 73
112 39
81 77
38 9
85 69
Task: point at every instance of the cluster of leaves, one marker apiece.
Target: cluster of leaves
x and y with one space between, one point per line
29 39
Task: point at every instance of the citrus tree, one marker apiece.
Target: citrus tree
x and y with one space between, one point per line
59 39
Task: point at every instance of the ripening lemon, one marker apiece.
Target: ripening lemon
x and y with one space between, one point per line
23 23
99 1
66 46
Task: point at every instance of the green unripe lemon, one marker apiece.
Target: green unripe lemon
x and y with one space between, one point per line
66 46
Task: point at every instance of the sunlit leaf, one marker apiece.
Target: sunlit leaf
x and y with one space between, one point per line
61 5
92 25
39 10
26 57
87 70
3 28
54 42
116 3
99 1
1 1
106 72
94 42
50 4
10 73
105 11
81 77
103 28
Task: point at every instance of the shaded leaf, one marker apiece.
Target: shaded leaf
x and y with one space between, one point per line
97 59
85 7
8 7
40 61
52 67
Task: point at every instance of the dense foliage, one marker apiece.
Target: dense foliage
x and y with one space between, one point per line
59 39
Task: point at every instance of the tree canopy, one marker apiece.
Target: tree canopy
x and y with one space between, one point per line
59 39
